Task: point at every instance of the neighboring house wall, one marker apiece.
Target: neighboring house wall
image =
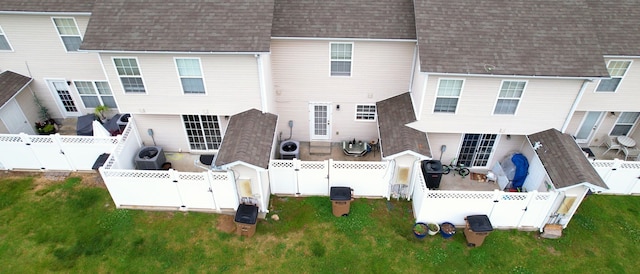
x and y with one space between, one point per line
231 85
624 99
544 104
38 52
302 75
168 131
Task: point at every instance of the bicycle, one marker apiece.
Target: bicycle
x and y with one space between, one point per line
457 168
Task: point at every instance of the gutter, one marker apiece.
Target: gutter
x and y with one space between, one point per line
516 76
261 82
574 106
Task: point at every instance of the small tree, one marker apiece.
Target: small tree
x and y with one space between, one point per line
43 111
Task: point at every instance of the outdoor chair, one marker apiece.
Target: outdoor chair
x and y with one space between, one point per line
611 143
631 152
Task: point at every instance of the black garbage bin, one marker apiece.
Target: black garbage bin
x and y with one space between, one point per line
341 198
432 172
246 219
476 229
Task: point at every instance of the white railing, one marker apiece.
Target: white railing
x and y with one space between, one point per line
315 178
52 152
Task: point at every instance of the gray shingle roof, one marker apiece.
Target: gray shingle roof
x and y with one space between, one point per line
10 84
372 19
183 26
564 160
249 138
618 26
518 37
47 5
395 137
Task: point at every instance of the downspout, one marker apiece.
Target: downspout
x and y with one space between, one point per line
413 68
575 104
263 91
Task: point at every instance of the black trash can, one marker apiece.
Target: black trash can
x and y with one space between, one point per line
476 229
341 198
246 219
432 172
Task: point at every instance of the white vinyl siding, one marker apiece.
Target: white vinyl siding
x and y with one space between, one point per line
617 70
69 33
509 97
4 42
449 91
341 57
624 123
130 75
365 112
190 73
95 94
203 131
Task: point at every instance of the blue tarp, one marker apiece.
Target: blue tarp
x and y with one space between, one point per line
522 170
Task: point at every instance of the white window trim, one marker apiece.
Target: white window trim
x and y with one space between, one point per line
175 62
375 114
526 84
433 107
8 42
631 129
93 82
353 50
184 130
60 35
621 77
113 63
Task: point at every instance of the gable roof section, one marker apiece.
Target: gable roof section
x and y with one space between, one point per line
369 19
518 37
10 84
395 137
180 26
618 26
249 138
564 161
47 5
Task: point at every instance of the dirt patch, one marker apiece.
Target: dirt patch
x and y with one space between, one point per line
226 223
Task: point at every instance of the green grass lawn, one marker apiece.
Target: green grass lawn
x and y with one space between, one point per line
71 226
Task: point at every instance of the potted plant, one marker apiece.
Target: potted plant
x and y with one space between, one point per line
46 127
433 228
100 110
420 230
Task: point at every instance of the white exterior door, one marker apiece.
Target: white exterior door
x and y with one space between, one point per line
64 100
588 127
320 121
14 119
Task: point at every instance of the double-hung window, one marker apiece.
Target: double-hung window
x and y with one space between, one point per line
509 97
341 54
203 131
190 74
617 70
449 91
625 122
130 76
95 94
4 42
69 33
365 112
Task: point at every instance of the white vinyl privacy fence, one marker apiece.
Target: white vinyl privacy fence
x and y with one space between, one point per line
622 177
506 210
315 178
164 189
52 152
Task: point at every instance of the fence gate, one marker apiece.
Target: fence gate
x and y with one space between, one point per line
313 178
508 209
